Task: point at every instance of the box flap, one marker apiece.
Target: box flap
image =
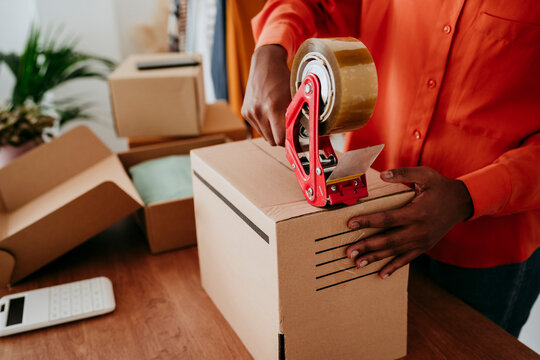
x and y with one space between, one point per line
48 165
148 152
271 185
67 226
219 119
7 264
108 170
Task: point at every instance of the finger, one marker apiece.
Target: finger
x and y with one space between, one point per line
419 175
259 121
253 124
386 241
266 130
369 258
384 219
277 122
251 116
398 262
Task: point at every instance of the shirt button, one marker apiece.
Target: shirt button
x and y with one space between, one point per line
431 83
447 29
417 135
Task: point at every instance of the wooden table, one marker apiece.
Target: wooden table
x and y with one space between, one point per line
163 313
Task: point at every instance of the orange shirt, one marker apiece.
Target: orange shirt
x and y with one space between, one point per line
459 91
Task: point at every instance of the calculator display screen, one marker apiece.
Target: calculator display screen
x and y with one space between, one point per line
15 313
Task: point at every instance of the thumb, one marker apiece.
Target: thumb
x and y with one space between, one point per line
417 175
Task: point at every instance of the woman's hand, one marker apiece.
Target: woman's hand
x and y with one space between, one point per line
440 203
268 93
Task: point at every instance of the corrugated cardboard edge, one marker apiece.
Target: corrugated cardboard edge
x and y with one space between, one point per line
7 264
112 101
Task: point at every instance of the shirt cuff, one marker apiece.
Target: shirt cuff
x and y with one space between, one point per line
490 188
278 33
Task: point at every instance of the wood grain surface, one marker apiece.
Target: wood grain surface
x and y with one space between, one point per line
163 313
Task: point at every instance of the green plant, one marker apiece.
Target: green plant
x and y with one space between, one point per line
46 63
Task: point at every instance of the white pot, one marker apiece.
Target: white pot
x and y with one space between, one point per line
8 153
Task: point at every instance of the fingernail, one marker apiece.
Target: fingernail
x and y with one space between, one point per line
385 276
354 254
363 263
387 174
354 225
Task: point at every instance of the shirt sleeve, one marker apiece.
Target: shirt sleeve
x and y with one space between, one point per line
289 22
510 184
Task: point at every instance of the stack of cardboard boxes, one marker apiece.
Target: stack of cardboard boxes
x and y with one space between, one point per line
62 193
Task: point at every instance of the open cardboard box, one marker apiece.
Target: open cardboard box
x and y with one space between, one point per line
62 193
276 268
168 224
218 119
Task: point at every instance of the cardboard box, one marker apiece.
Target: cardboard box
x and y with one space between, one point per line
62 193
168 224
219 119
276 266
158 102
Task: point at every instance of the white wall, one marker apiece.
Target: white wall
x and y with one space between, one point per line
94 22
15 19
129 15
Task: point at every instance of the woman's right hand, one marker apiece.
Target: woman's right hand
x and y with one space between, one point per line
268 93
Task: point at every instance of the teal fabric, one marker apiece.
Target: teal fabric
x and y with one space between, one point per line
166 178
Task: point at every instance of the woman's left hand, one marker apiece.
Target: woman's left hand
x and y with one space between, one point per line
440 203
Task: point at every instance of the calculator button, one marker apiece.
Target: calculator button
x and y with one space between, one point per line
76 308
98 305
65 312
86 306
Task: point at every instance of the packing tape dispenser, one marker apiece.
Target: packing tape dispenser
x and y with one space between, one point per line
334 90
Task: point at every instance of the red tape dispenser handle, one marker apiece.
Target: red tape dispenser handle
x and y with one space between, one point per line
311 179
309 171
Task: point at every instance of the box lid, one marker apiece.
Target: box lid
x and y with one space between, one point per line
270 184
128 68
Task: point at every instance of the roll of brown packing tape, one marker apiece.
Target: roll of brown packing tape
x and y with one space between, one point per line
348 80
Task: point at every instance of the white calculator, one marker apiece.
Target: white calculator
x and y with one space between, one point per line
54 305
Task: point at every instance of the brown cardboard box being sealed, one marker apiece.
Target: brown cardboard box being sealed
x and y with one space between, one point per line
62 193
276 266
158 102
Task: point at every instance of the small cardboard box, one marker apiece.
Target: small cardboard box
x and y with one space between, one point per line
62 193
168 224
218 119
172 98
276 266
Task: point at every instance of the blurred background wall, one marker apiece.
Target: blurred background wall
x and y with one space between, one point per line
109 28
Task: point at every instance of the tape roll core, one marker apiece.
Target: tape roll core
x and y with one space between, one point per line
348 79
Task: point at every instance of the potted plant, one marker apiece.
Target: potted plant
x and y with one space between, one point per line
44 64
